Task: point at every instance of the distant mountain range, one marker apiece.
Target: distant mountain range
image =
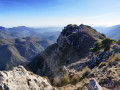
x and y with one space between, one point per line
112 32
51 33
15 52
18 45
22 31
101 29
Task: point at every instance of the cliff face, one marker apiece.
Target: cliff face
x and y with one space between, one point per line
73 44
21 79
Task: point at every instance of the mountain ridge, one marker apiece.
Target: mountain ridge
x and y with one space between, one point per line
112 32
50 33
72 45
14 52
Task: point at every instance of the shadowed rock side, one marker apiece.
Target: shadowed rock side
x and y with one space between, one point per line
93 85
14 52
20 79
73 44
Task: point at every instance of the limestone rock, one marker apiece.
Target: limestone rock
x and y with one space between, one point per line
103 56
93 85
21 79
72 45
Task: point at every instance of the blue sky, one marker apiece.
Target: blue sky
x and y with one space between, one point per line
59 12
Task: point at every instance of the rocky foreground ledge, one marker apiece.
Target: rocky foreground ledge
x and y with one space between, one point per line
21 79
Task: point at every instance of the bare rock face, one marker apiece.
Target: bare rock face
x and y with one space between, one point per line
103 56
93 85
21 79
73 44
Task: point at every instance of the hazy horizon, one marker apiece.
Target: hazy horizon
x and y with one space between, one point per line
49 13
53 26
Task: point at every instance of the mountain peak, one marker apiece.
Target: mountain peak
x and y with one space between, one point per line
69 29
75 35
72 29
2 28
73 44
22 26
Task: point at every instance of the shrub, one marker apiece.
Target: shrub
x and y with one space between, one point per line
75 79
90 27
61 69
73 32
75 25
97 46
102 36
70 25
118 42
106 43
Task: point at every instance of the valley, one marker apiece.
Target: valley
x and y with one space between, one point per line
14 52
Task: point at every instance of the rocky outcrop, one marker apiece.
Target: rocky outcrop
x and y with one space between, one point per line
93 85
72 45
21 79
103 56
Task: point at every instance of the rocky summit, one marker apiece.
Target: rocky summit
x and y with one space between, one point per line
21 79
82 59
73 44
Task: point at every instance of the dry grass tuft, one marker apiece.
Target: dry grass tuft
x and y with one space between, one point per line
75 79
56 81
66 79
47 79
112 59
102 64
84 72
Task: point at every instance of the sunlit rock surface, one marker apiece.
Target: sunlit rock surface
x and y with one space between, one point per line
21 79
